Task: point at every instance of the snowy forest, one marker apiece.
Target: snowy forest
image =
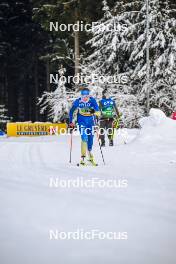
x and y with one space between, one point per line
129 39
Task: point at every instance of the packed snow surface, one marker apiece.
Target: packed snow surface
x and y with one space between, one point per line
145 209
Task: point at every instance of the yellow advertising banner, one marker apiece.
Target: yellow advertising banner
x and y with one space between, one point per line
35 129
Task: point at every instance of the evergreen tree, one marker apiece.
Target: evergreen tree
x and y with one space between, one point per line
110 57
21 44
4 119
4 47
107 42
162 53
55 103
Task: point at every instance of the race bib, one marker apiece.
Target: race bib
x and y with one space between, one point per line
108 112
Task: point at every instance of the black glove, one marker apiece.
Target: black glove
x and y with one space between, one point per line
92 111
72 125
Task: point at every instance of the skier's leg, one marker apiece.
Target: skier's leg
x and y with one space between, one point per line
102 132
84 141
110 131
90 140
83 148
90 145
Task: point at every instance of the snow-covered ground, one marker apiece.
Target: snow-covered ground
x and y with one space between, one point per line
146 209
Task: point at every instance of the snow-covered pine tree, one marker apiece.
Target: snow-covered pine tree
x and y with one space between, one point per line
165 63
110 57
106 42
55 103
162 53
4 119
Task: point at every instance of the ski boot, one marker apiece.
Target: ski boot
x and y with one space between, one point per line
91 160
111 142
82 162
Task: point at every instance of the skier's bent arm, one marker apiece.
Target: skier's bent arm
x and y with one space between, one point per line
96 108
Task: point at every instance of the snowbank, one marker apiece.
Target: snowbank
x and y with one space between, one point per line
157 127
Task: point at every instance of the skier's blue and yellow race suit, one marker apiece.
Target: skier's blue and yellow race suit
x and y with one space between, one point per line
85 118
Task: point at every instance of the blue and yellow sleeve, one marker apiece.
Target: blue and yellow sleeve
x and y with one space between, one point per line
96 107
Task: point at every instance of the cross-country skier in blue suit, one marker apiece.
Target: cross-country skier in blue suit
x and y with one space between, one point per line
87 108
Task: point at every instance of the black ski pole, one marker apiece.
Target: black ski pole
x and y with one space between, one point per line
99 142
71 145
